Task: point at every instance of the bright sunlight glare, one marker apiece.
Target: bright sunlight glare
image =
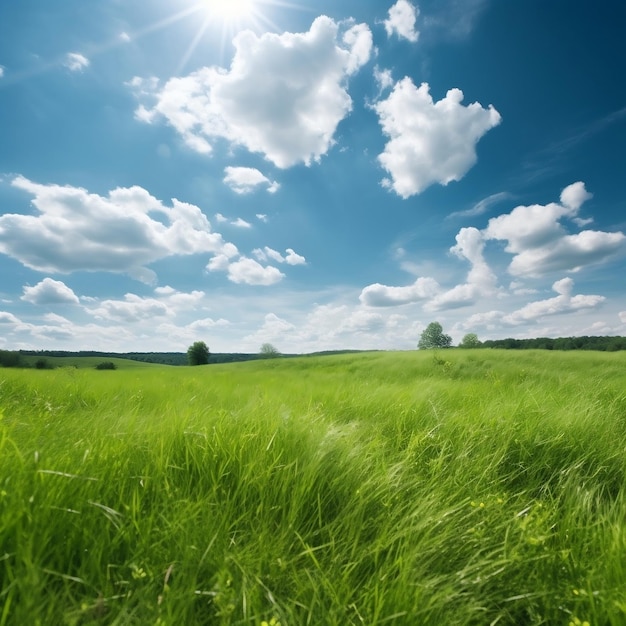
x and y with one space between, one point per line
231 10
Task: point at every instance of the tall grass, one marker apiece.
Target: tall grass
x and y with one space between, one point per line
462 487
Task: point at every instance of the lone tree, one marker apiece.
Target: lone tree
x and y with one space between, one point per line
268 351
434 337
470 341
198 353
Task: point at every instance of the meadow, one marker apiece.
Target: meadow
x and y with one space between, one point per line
460 487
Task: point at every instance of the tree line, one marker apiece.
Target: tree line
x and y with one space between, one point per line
433 337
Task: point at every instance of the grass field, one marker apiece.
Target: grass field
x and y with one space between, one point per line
468 487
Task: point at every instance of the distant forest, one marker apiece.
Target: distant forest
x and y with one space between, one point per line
162 358
16 358
605 344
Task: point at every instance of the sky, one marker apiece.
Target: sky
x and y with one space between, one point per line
318 175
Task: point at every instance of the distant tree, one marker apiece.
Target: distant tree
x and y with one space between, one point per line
10 359
434 337
268 351
42 364
198 353
470 341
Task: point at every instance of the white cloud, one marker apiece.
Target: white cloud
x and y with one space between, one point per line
429 142
132 308
75 61
8 319
291 258
50 291
178 301
622 316
208 323
517 287
575 195
1 71
241 223
168 302
539 242
262 217
219 263
570 253
378 295
249 272
564 302
401 21
383 78
243 180
114 233
124 36
283 96
481 281
245 271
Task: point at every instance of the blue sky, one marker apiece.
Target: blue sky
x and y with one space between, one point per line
317 175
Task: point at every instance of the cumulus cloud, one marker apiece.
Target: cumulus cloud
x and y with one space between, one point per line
249 272
115 233
564 302
539 242
50 291
1 71
167 302
401 21
246 271
243 180
8 319
291 258
132 308
429 142
178 301
241 223
481 281
76 62
569 253
283 95
378 295
575 195
622 316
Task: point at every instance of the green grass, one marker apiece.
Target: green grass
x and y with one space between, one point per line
463 487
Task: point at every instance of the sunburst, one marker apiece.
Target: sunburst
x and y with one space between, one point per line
232 11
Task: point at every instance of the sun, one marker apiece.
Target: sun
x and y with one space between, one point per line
231 10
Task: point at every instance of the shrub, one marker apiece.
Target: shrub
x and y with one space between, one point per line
106 365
